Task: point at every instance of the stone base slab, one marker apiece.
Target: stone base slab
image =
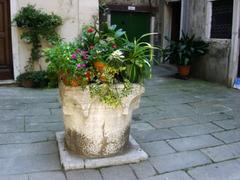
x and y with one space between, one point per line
70 161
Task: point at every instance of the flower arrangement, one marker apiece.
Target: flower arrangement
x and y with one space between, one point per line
101 59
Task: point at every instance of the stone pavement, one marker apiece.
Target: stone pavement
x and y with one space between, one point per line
190 129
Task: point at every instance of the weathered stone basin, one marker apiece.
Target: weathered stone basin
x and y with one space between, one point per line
93 129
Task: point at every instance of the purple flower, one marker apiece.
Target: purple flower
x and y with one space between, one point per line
74 56
81 66
84 54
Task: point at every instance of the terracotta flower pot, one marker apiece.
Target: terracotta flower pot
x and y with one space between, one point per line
27 84
92 128
184 70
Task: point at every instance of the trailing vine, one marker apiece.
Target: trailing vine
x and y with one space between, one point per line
36 26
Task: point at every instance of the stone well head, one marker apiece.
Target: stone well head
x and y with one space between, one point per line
93 129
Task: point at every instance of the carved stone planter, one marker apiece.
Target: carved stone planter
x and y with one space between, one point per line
93 129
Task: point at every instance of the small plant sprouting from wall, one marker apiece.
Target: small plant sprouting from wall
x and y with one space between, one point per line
36 26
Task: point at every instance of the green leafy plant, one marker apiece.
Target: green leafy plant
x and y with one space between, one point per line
139 56
101 59
184 51
37 25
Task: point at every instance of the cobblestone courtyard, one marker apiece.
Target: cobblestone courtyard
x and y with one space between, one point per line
190 129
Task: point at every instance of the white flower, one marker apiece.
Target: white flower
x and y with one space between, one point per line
117 54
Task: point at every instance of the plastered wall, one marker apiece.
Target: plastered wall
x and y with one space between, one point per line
74 13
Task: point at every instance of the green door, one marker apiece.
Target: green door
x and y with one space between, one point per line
134 23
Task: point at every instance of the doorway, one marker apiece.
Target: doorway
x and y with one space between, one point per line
6 66
134 23
176 20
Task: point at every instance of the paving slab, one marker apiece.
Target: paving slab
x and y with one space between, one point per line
56 175
14 150
228 136
197 129
193 143
178 161
224 152
88 174
209 107
44 119
29 164
228 124
45 105
146 110
228 170
168 123
143 169
140 126
56 111
26 137
14 177
157 148
155 135
200 118
177 175
118 173
10 126
37 127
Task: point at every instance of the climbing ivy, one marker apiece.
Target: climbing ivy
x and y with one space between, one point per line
37 25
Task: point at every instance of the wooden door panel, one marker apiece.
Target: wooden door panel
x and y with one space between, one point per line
1 17
135 24
6 70
2 52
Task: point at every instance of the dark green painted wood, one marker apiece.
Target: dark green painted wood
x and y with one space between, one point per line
134 23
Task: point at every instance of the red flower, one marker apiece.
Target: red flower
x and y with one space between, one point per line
91 46
90 30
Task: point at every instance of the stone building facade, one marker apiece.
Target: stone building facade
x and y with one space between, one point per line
206 19
171 17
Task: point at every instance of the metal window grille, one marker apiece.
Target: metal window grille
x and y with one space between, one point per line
222 12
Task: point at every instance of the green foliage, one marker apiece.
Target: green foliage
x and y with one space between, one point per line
138 60
101 59
37 25
184 51
39 79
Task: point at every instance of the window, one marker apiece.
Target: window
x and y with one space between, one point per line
222 12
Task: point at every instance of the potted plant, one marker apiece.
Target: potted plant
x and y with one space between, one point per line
35 79
101 76
25 80
184 51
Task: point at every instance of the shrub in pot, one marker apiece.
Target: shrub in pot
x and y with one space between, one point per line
101 76
34 79
184 51
25 80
